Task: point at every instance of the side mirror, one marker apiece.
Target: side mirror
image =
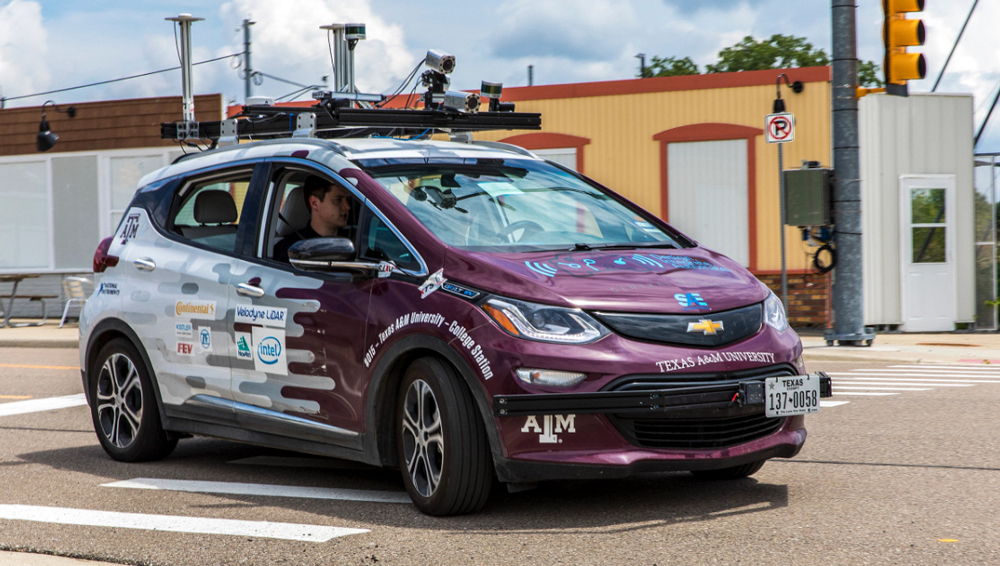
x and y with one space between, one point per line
336 255
322 249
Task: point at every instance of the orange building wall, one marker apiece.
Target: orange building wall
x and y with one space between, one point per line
621 117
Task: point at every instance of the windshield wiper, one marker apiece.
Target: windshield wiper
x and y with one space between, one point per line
580 247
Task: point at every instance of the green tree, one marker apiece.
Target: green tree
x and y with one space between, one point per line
671 67
777 52
868 74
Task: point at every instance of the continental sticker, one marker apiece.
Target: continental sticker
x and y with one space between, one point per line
267 316
269 350
667 366
195 309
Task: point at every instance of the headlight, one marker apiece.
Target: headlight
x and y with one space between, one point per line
544 323
774 313
550 377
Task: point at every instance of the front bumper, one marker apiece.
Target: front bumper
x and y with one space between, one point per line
707 398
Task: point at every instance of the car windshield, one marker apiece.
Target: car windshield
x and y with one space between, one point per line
513 205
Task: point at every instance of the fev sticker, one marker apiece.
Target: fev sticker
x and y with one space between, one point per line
244 346
185 349
268 316
204 339
269 350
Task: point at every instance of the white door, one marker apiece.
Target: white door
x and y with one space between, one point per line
928 252
707 195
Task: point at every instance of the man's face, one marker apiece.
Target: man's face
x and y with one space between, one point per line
330 214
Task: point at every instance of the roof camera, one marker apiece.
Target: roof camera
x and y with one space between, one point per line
440 61
461 101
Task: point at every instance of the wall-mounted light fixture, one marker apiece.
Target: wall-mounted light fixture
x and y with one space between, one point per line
46 138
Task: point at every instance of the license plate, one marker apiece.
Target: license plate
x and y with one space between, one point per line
791 395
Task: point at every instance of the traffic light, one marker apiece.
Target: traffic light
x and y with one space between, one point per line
898 33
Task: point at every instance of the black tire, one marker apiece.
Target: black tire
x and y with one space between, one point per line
123 406
444 454
734 473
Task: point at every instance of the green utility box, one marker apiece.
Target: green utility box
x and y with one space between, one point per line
807 197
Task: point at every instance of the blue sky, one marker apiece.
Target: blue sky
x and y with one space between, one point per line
50 44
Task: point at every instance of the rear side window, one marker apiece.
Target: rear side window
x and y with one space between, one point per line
208 211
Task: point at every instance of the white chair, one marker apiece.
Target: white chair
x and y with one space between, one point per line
73 287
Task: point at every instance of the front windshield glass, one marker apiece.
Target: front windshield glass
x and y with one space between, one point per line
513 205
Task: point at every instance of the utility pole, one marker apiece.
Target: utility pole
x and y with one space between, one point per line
848 291
248 79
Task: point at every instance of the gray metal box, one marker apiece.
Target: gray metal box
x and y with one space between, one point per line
807 197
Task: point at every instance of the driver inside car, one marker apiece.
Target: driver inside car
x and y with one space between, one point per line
329 211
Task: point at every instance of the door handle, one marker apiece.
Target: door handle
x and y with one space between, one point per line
248 290
144 264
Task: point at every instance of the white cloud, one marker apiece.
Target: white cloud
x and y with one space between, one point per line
288 43
23 46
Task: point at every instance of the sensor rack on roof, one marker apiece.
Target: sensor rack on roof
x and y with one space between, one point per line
328 120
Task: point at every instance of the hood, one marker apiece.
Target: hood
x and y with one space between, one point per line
685 281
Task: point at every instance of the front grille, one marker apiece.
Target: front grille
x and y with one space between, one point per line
737 426
728 326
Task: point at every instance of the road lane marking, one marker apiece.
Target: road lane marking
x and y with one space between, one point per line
823 403
978 369
868 393
870 388
944 374
17 396
299 462
174 523
840 376
38 405
29 366
907 382
266 490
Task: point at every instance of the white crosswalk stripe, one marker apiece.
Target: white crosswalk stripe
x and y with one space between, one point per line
263 490
884 382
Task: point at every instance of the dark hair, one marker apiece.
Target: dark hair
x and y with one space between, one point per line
315 187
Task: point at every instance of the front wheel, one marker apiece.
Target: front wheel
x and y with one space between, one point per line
443 449
123 408
734 473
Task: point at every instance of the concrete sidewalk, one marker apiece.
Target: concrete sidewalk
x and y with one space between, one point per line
8 558
946 347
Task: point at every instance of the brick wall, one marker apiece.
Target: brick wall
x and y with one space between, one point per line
808 295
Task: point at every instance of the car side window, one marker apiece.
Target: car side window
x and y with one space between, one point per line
379 243
208 211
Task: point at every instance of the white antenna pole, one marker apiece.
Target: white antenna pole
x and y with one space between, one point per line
339 56
187 100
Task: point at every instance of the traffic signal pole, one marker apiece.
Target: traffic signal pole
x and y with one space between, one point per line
848 293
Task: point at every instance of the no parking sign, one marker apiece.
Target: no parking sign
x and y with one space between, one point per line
780 128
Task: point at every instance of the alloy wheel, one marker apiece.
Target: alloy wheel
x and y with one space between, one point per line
119 400
423 438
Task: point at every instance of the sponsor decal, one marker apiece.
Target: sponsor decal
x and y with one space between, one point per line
460 291
204 339
579 266
691 301
667 366
551 426
244 346
433 283
129 229
108 288
706 326
269 350
401 322
385 269
268 316
185 348
184 330
195 309
475 350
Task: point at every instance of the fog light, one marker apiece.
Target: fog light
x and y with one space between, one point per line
550 377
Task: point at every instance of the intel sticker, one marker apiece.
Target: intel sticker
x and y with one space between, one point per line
269 350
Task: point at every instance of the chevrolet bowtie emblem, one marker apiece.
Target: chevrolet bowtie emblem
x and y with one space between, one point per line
709 327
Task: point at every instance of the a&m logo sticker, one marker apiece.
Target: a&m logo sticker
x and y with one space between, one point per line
550 426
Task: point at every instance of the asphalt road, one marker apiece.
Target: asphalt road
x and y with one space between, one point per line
908 476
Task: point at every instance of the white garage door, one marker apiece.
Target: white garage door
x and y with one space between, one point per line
707 194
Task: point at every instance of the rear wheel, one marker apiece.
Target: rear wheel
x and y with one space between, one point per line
734 473
123 408
443 450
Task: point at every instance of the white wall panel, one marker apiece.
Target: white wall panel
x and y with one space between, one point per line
707 194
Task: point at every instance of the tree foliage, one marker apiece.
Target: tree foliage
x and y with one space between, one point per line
776 52
671 67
